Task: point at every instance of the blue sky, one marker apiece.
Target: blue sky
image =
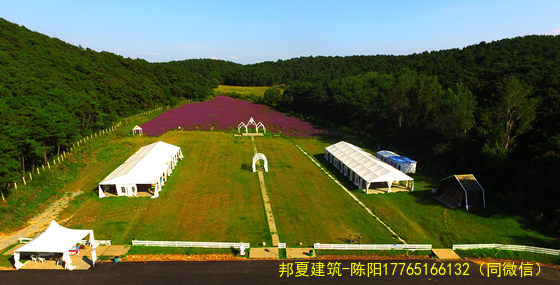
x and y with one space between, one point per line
255 31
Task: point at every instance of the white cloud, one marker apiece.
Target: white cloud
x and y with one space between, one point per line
213 57
147 53
555 32
119 49
234 57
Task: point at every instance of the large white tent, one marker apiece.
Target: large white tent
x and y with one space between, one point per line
149 167
56 239
362 168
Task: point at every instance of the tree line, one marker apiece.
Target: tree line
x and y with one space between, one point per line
53 93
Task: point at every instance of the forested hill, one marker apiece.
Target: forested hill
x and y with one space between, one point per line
492 109
52 93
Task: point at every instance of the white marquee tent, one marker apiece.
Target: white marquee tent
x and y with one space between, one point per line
56 239
149 166
362 168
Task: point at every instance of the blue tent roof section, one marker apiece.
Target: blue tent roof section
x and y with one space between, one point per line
402 159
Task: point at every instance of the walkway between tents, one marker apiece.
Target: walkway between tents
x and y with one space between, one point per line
266 200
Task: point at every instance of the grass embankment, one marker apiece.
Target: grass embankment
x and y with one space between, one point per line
307 205
257 91
508 254
80 170
209 197
419 218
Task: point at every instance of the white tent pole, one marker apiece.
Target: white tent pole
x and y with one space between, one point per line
17 264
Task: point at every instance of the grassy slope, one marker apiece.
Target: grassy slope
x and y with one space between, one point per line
81 170
243 90
207 198
307 205
419 218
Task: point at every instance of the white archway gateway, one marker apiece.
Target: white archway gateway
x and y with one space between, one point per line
256 158
242 125
261 125
253 123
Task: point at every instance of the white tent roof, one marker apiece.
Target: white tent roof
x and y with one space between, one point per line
367 166
386 153
137 127
145 166
55 239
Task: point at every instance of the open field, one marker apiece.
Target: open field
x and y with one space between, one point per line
209 197
308 206
419 218
243 90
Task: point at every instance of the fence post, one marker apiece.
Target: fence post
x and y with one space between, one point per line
15 184
23 178
48 165
30 176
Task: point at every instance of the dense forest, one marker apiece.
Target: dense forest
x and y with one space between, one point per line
492 109
53 93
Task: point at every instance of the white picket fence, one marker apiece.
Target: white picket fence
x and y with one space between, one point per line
99 242
342 246
508 247
191 244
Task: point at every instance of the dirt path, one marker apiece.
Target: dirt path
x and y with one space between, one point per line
266 200
39 222
353 196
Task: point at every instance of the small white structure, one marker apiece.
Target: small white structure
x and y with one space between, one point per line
56 239
251 123
148 168
399 162
362 168
258 156
137 130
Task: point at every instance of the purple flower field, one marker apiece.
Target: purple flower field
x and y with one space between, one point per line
224 113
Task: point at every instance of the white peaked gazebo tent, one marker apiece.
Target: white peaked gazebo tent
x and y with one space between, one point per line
137 130
148 167
362 168
251 122
56 239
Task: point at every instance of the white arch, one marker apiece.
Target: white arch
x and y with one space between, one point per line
261 125
258 156
241 125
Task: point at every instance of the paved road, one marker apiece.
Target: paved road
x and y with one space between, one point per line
242 272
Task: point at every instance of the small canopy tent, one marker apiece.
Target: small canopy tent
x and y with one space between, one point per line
461 190
362 168
137 130
399 162
148 167
56 239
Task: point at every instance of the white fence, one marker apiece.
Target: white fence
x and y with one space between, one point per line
508 247
191 244
99 242
343 246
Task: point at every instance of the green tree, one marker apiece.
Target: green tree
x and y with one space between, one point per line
454 117
511 116
273 96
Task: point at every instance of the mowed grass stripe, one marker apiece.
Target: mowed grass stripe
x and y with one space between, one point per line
307 205
209 197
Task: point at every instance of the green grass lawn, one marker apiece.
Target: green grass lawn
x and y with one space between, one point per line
307 205
209 197
419 218
243 90
80 170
